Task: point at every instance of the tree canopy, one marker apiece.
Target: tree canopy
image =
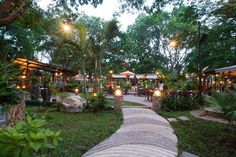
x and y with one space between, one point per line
159 39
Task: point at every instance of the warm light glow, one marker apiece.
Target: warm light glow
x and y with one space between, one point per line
213 82
118 92
18 87
173 43
23 76
221 82
66 27
61 73
157 93
76 90
111 71
23 87
56 74
157 73
95 94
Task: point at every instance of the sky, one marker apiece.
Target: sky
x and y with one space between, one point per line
105 11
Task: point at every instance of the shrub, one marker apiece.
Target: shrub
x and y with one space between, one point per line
28 138
224 102
97 103
179 103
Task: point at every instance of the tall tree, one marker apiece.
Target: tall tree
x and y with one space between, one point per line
10 10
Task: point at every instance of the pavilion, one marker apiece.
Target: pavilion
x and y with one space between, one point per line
27 66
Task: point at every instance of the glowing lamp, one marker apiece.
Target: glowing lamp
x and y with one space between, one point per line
156 99
23 76
23 87
111 71
66 27
56 74
18 87
76 91
95 94
118 96
118 92
157 93
173 43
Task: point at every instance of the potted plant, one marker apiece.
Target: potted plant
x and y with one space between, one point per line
11 110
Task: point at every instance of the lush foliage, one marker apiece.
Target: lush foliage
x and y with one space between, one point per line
28 138
202 137
8 91
179 103
97 103
81 131
223 102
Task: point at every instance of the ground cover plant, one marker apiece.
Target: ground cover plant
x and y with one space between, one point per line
202 137
28 138
81 131
179 103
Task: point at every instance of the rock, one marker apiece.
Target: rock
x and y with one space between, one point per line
72 104
183 118
171 119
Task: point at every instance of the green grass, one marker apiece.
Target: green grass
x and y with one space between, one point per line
125 103
204 138
81 131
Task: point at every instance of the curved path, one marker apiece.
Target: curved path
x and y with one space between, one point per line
143 134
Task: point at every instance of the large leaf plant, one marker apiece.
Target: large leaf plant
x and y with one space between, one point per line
224 102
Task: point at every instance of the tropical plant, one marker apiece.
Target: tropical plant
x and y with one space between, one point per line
97 103
8 92
224 102
28 138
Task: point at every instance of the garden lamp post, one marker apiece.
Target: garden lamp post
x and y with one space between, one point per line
118 96
156 99
76 91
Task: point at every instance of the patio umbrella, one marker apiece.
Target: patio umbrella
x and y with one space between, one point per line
127 73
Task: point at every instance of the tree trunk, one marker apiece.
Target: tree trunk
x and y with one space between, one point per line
84 79
95 84
10 10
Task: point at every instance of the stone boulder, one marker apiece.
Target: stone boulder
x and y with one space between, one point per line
72 104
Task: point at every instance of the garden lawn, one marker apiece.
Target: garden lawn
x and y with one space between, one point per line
82 131
204 138
125 103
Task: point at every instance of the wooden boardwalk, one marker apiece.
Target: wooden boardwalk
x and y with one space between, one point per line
143 134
